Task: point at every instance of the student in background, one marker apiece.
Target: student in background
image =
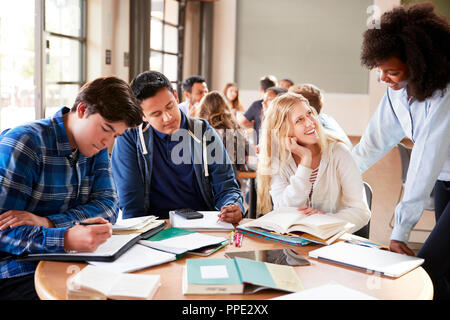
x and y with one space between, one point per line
214 109
270 94
411 52
194 88
172 161
231 93
302 166
286 83
56 171
315 98
252 117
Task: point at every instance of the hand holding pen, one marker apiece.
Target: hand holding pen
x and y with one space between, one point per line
87 235
232 212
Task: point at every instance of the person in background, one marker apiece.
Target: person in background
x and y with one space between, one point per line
172 161
231 93
410 50
252 117
315 98
216 111
194 88
55 172
302 166
270 94
286 83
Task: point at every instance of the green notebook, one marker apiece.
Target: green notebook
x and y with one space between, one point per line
239 275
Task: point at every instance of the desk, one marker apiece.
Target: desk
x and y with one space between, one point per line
252 192
51 277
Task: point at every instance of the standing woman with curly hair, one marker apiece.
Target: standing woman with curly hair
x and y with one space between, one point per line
411 50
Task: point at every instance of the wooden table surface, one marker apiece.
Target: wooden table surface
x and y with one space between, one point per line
51 277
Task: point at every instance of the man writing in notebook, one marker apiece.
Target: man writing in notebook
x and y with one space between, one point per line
172 161
55 172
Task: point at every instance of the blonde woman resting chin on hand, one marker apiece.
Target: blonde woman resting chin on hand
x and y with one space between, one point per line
304 166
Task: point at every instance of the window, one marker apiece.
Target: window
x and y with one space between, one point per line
16 62
64 52
164 38
42 57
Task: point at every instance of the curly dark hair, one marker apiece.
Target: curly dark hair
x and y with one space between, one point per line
420 38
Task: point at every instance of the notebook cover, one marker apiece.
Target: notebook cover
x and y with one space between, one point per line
78 257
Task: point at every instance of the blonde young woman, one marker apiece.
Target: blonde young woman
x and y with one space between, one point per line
303 166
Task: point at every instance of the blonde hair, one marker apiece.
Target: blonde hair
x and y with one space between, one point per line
236 103
214 108
274 151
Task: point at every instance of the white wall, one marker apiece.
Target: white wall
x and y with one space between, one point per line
108 26
224 41
345 108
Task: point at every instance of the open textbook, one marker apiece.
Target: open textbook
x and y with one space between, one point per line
238 275
96 283
321 228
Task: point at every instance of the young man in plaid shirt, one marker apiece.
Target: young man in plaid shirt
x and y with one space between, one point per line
56 171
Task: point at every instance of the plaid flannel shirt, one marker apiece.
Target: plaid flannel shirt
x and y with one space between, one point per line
39 174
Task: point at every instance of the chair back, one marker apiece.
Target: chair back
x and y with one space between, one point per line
365 231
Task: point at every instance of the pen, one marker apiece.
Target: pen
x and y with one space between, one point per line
86 223
236 200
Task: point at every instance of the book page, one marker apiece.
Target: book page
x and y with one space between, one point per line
94 278
320 225
190 241
136 258
133 223
278 220
209 221
285 277
110 246
134 286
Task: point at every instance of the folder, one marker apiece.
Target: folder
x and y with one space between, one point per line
180 241
112 249
239 275
384 262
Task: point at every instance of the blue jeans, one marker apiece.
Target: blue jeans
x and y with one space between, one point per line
436 249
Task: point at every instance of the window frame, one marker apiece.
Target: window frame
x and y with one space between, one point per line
180 45
41 41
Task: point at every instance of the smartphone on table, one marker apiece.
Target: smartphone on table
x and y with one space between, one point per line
189 213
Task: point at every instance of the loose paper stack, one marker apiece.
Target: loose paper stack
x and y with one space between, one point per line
136 225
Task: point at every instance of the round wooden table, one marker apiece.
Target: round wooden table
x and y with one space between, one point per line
51 277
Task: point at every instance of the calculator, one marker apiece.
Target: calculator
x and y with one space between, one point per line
189 213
